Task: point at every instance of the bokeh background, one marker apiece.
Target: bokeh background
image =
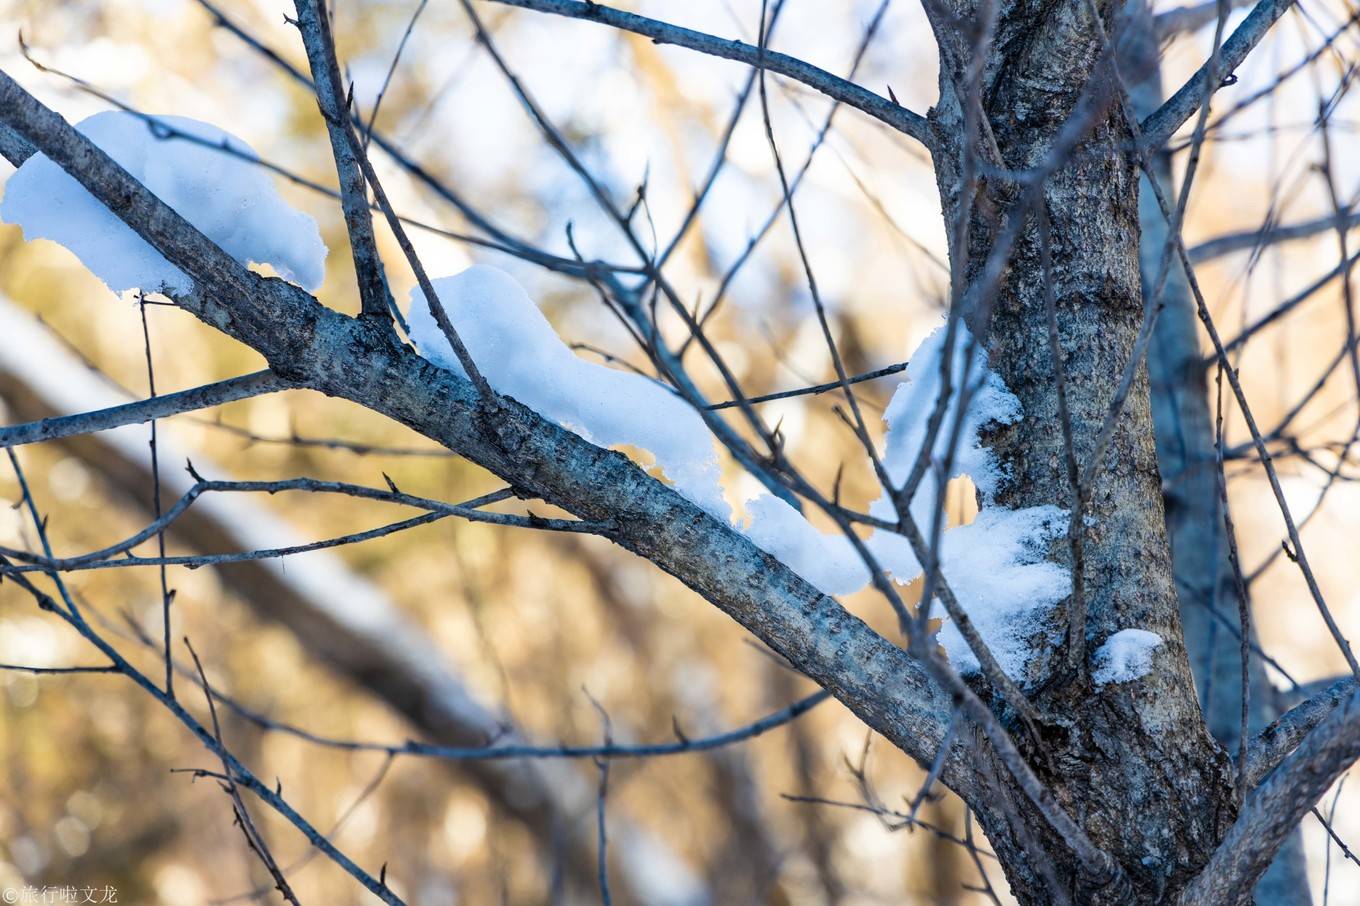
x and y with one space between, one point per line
521 629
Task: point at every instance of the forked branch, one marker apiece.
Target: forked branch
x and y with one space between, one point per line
1277 805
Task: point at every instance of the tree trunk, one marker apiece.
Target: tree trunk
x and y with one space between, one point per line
1131 762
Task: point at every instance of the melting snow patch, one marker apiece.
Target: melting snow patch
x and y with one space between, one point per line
1125 656
995 565
228 197
829 562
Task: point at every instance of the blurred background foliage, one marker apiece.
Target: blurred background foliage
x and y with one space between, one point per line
537 625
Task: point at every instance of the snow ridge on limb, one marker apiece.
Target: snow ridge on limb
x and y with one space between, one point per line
204 173
522 356
995 564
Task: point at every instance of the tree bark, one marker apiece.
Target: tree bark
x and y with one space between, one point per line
1131 762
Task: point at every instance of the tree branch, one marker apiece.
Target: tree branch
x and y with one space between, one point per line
497 238
880 108
15 148
1191 18
342 622
1268 235
1161 125
1276 741
230 390
240 774
314 24
345 357
1278 804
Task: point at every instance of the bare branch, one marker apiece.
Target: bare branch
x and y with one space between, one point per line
392 70
1161 125
470 510
1277 804
241 775
526 752
1285 307
1267 235
254 839
1276 741
343 623
314 24
499 239
230 390
893 820
815 388
1191 18
877 106
56 671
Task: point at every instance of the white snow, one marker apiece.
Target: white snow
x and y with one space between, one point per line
996 568
907 416
231 200
828 561
915 398
1125 656
996 565
521 356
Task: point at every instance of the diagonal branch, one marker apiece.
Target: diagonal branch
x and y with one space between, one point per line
1162 124
1276 741
14 147
1282 799
1268 235
346 357
497 237
342 622
241 774
1190 18
254 839
880 108
314 24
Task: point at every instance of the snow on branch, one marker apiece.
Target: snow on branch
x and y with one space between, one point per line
208 177
523 357
996 564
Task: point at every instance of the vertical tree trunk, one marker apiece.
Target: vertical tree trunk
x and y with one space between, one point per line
1131 762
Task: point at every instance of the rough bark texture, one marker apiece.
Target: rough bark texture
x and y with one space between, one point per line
1277 805
1132 761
